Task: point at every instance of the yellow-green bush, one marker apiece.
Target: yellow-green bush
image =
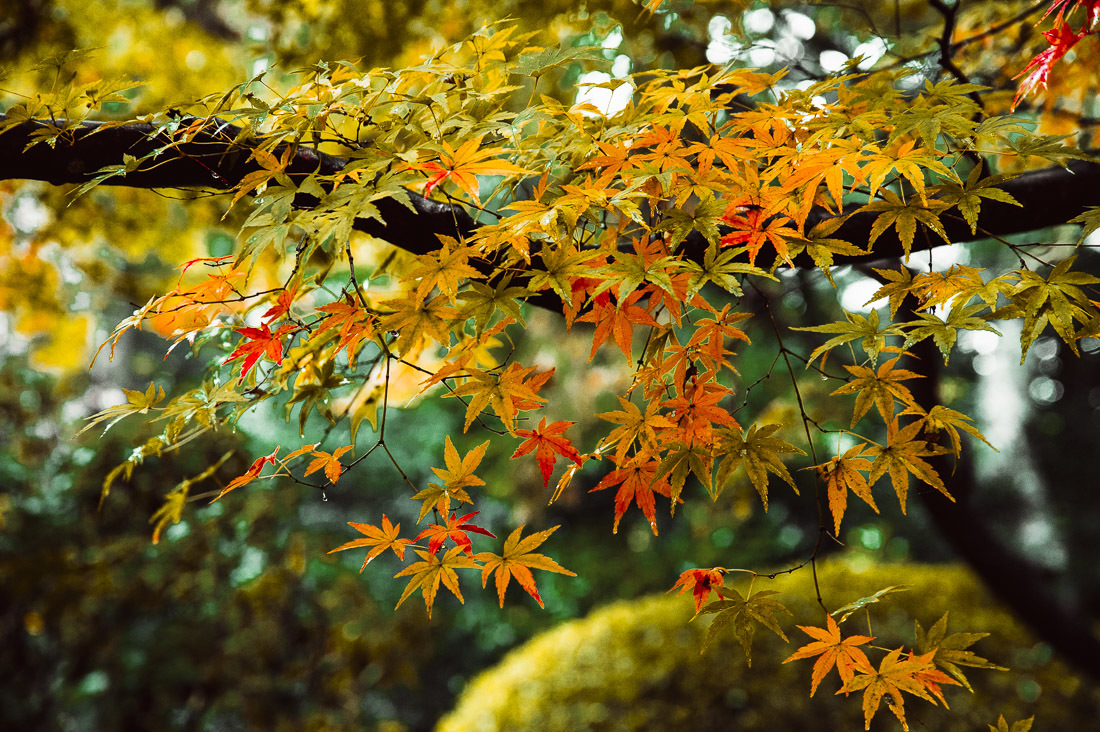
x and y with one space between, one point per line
637 666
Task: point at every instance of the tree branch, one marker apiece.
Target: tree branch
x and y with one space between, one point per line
218 158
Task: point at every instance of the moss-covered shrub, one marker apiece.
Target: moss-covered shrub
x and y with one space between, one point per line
637 666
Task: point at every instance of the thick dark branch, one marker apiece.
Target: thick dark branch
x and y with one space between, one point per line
1048 197
216 159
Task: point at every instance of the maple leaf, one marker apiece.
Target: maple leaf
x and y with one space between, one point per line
329 462
701 582
943 419
281 308
899 284
1061 39
379 539
547 442
262 342
416 319
872 338
944 332
463 164
517 560
744 614
696 410
1023 725
680 461
617 321
507 392
853 607
458 474
355 323
634 427
137 402
893 676
832 649
968 197
950 650
711 333
638 484
443 269
905 454
454 529
721 269
906 159
842 474
430 571
251 474
1056 299
880 388
759 452
753 227
931 678
904 216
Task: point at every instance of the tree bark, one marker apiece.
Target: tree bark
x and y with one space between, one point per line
217 158
1011 577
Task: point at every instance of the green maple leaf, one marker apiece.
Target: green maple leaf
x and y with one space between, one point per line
871 337
904 454
759 451
744 615
951 650
944 332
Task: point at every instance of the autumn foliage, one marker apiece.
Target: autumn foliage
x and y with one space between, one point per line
659 231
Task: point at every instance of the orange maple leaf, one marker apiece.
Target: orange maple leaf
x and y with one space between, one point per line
517 560
463 164
330 462
547 440
701 582
616 321
251 474
842 474
932 677
281 306
696 410
355 323
894 676
637 485
379 539
753 227
832 649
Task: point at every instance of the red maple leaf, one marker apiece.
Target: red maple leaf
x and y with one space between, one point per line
1061 39
546 440
701 582
454 529
262 342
